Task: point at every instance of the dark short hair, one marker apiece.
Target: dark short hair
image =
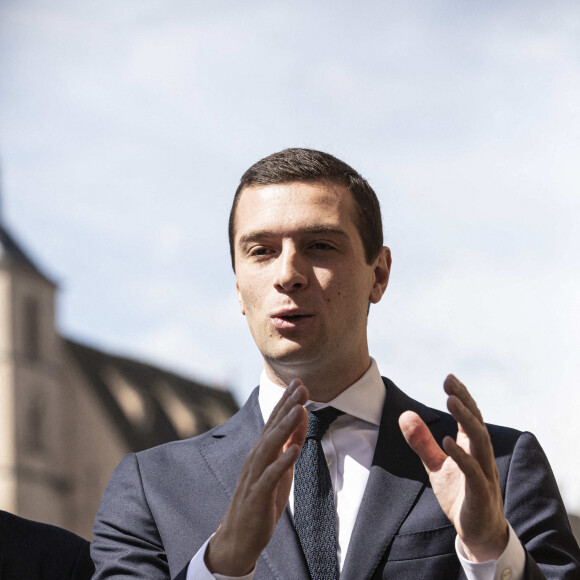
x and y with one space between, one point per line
311 166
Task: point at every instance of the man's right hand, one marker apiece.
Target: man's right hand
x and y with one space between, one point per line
263 488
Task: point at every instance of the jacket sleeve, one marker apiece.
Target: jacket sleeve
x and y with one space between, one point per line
534 508
126 541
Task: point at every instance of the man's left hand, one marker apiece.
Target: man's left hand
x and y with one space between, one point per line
463 474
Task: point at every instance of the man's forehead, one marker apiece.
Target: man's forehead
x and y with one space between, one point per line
291 205
295 194
293 188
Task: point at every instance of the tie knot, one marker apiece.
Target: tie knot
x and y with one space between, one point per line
319 421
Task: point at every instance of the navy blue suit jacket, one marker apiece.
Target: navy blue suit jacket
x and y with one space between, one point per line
34 551
162 504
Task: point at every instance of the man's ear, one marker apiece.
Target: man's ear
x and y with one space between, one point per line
240 301
381 272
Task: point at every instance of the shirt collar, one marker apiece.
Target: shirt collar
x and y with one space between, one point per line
364 399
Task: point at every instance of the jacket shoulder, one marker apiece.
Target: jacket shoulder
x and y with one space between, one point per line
443 424
249 411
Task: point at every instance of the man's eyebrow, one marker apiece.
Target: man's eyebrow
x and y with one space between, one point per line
258 235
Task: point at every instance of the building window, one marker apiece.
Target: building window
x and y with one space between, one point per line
36 415
32 328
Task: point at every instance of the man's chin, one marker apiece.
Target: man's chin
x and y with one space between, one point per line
294 355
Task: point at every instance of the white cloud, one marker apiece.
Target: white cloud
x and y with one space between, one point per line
126 126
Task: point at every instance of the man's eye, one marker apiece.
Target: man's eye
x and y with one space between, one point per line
321 246
259 251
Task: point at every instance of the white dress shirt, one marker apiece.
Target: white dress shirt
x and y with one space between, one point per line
349 445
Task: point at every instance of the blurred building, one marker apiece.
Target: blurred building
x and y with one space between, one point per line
69 412
575 524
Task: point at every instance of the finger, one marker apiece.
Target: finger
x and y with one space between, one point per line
470 467
272 440
298 436
294 393
278 425
479 441
284 420
421 441
273 474
453 386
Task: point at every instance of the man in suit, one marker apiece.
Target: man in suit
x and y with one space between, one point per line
35 551
416 493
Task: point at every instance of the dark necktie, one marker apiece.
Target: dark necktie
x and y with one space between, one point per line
314 514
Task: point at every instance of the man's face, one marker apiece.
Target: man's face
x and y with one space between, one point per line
301 275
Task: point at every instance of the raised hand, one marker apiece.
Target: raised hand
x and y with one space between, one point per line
463 474
263 488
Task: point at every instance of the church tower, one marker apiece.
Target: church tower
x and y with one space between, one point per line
33 466
69 412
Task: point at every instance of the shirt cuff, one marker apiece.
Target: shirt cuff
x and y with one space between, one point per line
509 566
197 570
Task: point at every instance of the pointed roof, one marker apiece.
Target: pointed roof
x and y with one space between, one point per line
12 255
11 252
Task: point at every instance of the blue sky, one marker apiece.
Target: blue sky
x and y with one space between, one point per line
125 126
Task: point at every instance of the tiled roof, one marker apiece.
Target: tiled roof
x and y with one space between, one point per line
149 405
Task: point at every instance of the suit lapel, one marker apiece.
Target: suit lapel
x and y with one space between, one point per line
395 480
225 454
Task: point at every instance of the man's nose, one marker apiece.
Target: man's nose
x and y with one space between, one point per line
291 273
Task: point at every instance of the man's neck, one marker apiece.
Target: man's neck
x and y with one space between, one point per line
323 385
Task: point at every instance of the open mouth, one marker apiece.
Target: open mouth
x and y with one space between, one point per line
294 317
290 320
